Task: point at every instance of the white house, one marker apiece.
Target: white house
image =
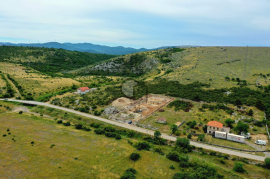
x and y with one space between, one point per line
83 90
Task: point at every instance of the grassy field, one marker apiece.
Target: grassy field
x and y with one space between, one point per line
34 82
81 154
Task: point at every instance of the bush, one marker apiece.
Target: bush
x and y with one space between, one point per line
32 142
222 161
95 125
173 156
78 126
172 167
52 145
130 142
118 137
182 142
238 167
134 156
189 136
213 153
178 133
86 128
158 150
142 146
128 175
4 135
59 121
67 123
267 162
20 112
132 170
99 131
110 134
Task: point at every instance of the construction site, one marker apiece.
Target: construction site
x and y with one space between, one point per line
137 110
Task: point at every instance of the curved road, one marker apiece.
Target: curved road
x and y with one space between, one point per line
145 131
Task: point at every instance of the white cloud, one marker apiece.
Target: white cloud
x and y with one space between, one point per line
86 20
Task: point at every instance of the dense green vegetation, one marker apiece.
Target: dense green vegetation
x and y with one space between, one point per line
49 60
10 92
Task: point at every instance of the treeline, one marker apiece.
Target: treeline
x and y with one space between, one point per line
47 97
53 60
27 96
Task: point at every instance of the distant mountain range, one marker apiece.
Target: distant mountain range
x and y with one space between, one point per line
88 47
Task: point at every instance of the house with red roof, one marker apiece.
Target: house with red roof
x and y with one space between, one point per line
213 126
83 90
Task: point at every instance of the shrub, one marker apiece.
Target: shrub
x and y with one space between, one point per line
226 156
66 123
20 112
52 145
189 136
178 133
267 162
158 150
78 126
238 167
109 129
214 153
130 142
95 125
110 134
142 146
173 156
134 156
222 161
99 131
172 167
118 137
130 133
86 128
128 175
182 142
59 121
32 142
132 170
4 135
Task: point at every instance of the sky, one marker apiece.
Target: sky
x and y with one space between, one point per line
137 23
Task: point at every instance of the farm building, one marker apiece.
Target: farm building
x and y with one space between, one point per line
213 126
161 120
83 90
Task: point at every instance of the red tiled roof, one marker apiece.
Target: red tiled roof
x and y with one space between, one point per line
83 89
215 124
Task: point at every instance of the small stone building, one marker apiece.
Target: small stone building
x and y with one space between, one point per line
161 120
213 126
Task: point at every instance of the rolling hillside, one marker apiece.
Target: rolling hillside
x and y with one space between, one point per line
218 66
49 60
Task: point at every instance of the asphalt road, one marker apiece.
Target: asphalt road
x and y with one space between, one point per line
146 131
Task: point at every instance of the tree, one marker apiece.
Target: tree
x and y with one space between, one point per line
157 134
189 136
241 127
238 102
205 128
134 156
267 162
250 112
260 105
238 167
229 122
173 128
182 142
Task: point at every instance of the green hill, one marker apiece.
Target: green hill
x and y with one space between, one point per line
49 60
